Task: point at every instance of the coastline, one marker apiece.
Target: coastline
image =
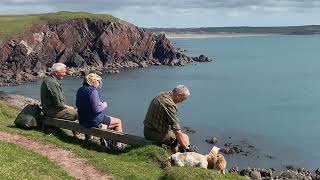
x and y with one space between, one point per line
289 172
215 35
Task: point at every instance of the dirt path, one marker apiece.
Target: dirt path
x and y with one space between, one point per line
75 166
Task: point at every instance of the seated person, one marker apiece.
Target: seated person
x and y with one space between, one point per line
161 122
91 108
52 97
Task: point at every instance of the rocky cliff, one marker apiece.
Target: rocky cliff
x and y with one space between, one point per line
84 44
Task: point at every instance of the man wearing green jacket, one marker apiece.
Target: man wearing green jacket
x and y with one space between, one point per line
52 97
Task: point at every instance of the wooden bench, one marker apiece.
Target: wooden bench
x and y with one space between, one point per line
108 134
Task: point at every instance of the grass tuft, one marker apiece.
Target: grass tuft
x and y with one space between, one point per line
182 173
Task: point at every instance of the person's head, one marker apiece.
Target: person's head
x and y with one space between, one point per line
93 79
180 94
59 70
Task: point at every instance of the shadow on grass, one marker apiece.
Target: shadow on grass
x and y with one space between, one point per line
65 137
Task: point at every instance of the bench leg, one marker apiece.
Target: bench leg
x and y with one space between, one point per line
44 128
42 124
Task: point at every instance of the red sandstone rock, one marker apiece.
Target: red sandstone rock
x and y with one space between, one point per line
86 42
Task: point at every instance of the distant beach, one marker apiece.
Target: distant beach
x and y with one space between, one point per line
216 35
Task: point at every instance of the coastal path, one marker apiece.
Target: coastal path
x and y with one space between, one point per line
75 166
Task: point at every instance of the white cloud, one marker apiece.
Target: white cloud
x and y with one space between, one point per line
111 5
175 12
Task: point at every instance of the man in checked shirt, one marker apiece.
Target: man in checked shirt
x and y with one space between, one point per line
161 123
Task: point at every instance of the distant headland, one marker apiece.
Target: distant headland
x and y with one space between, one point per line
237 31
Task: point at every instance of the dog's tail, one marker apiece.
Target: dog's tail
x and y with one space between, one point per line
165 163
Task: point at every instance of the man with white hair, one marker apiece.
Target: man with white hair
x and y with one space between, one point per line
161 123
52 97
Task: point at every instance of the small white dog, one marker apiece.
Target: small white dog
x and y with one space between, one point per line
213 160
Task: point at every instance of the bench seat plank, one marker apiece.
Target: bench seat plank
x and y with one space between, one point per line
108 134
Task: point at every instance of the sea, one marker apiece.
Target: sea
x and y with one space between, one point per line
259 92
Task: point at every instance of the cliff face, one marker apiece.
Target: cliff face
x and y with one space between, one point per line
83 43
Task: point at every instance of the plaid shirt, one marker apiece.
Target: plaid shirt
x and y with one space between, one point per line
162 114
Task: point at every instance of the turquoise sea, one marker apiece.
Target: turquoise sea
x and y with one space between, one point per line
262 93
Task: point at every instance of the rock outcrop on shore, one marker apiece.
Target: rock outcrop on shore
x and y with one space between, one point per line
85 44
17 101
269 174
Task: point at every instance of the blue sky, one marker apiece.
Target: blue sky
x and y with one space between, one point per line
183 13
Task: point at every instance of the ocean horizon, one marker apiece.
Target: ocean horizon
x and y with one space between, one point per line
261 92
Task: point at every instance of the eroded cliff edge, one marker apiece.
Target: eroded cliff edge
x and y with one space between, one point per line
84 44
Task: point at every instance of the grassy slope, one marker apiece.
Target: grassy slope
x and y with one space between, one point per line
19 163
134 163
12 25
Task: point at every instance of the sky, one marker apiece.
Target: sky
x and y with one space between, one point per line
183 13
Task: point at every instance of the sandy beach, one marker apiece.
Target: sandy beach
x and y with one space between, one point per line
215 35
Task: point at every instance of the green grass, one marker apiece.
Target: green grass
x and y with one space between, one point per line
182 173
134 163
14 25
20 163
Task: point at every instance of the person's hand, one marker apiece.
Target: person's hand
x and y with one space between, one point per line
68 107
104 104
